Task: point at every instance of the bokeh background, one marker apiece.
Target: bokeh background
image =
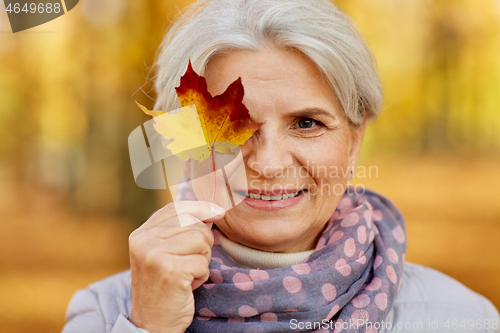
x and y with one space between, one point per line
67 88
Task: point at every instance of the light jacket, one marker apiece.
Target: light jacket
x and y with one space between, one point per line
428 301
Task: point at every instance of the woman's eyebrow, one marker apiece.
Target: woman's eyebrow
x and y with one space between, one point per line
308 112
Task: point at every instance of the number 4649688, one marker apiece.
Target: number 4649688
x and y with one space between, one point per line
34 8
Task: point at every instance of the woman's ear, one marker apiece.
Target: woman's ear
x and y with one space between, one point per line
357 134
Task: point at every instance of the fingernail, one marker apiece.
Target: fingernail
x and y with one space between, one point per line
217 210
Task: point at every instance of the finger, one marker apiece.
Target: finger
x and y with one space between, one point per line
171 228
186 243
192 267
200 209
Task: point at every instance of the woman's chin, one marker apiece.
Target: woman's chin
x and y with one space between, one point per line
264 234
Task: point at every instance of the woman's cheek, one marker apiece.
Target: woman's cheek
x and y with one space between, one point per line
324 157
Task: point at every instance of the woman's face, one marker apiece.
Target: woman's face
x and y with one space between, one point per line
305 144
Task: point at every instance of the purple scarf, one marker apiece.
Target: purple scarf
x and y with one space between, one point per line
347 284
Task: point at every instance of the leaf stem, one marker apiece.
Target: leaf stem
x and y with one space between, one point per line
212 157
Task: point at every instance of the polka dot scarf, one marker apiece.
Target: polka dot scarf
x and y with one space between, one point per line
351 278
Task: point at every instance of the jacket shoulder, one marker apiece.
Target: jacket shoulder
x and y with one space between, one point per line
429 297
118 284
98 307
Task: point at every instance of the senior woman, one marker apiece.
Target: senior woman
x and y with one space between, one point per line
325 260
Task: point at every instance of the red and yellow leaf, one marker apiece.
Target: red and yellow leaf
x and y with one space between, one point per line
224 119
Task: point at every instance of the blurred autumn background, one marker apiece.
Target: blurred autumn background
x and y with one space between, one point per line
67 196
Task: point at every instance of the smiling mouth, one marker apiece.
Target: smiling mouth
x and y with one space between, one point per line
270 197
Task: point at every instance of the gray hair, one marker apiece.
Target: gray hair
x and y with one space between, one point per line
317 28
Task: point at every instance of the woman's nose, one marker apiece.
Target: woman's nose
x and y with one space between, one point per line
268 154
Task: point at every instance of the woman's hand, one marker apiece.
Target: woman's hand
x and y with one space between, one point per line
168 262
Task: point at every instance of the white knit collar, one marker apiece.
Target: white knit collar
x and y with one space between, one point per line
255 259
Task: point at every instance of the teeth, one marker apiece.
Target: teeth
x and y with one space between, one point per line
272 197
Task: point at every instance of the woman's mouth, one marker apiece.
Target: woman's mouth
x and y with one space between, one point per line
272 197
270 202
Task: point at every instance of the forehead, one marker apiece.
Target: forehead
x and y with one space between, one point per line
285 76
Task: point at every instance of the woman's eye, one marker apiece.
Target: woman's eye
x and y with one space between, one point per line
307 123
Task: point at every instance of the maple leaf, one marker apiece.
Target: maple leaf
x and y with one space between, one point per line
184 129
224 119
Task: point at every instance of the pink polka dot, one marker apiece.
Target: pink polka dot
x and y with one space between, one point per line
247 311
371 330
203 318
362 234
332 230
377 215
224 267
329 291
216 276
301 268
399 286
336 236
258 274
268 317
374 285
393 256
291 310
206 312
371 236
242 281
399 234
329 224
264 303
344 212
344 203
381 301
321 243
350 220
377 262
292 284
332 312
368 218
391 274
361 253
219 260
350 247
361 260
208 285
360 317
236 320
342 267
361 301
